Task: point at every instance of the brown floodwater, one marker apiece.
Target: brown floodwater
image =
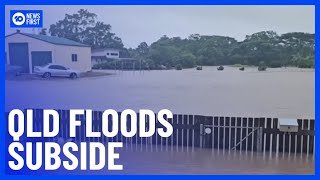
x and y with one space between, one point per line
208 161
277 92
162 160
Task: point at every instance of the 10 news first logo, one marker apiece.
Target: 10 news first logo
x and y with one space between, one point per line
26 18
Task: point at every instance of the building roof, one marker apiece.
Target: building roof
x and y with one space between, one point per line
103 49
52 39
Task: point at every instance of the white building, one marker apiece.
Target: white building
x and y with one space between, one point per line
29 50
102 55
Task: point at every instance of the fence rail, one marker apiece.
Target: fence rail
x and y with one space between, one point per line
190 131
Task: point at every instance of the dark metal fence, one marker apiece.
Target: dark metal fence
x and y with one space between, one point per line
195 131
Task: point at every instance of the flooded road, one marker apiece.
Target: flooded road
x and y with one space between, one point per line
278 92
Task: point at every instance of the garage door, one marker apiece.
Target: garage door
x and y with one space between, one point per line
40 58
19 55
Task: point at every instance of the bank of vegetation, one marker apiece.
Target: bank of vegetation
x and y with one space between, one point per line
265 48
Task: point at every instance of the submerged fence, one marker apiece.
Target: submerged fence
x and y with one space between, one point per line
195 131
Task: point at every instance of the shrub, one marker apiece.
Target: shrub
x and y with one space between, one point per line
220 68
306 63
104 65
178 67
262 68
275 64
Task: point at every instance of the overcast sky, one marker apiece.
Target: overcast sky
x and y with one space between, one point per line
135 24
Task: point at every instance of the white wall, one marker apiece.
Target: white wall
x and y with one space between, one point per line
63 55
107 53
60 54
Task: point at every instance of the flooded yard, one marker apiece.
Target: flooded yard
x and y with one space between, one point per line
283 92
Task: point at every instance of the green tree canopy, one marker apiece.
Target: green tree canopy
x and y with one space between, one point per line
290 49
83 27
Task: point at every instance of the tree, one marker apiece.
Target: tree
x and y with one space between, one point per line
83 27
261 46
43 31
100 36
186 59
264 49
194 37
297 46
143 49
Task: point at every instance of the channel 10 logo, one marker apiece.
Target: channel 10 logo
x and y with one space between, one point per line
26 18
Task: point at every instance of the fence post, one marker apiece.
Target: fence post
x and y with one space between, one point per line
259 139
201 135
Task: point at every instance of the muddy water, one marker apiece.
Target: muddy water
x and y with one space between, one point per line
279 92
144 160
206 161
275 93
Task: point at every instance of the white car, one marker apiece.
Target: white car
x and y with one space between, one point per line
49 70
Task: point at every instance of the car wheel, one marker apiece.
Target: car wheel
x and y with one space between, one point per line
73 75
46 75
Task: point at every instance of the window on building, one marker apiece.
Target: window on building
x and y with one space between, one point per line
114 54
74 57
108 54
